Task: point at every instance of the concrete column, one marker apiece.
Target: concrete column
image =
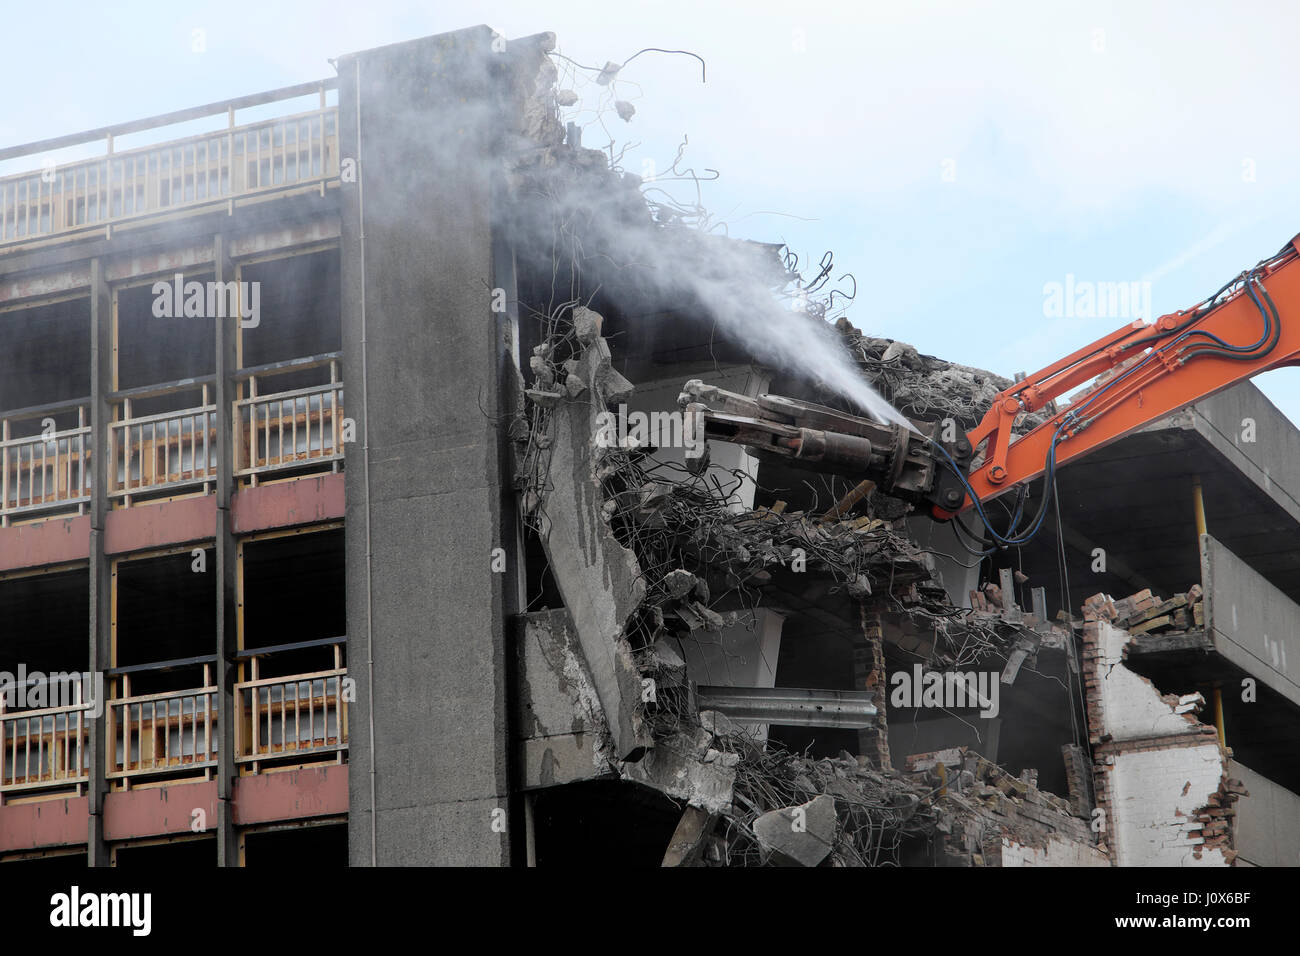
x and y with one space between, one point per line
227 331
100 634
425 503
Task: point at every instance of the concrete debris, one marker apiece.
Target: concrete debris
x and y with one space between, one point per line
654 560
676 766
665 657
801 835
903 354
586 324
925 387
597 576
679 583
546 399
718 724
608 72
963 803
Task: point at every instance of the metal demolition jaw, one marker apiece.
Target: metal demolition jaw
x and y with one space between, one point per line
900 460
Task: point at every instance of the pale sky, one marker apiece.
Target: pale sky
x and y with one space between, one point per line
957 158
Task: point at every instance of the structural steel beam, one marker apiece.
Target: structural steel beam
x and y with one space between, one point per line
791 706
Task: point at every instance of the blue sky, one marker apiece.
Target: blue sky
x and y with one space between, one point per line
956 157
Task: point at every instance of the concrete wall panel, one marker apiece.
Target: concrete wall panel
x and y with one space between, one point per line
1253 624
1268 821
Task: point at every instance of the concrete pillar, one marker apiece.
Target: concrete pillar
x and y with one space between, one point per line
423 356
100 634
227 332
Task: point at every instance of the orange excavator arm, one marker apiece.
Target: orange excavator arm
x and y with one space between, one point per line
1148 371
1139 374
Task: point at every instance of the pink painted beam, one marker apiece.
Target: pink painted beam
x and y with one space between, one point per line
292 795
49 823
288 503
160 811
53 541
142 527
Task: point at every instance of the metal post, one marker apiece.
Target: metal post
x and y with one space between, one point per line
1218 716
1198 503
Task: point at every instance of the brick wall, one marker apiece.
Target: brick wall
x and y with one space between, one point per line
1160 775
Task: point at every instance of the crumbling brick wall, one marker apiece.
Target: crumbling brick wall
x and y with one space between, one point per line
869 675
1162 788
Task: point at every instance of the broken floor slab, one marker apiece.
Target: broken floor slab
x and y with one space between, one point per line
598 578
560 727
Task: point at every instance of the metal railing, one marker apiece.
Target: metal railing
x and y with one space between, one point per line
292 428
44 748
163 451
221 166
163 733
302 715
47 469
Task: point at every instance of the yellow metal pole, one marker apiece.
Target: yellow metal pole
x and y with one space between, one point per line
1198 505
1218 716
1198 502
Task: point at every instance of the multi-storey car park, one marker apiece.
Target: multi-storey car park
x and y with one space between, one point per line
490 639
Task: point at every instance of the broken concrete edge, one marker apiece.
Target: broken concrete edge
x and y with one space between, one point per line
599 579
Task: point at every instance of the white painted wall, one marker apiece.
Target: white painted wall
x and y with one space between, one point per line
1154 797
1130 704
1154 794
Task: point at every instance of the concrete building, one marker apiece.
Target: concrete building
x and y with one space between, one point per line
347 452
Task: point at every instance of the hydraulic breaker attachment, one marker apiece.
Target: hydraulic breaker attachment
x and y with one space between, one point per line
900 460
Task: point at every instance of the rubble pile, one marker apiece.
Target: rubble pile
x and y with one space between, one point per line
791 810
1147 613
925 387
690 528
853 815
